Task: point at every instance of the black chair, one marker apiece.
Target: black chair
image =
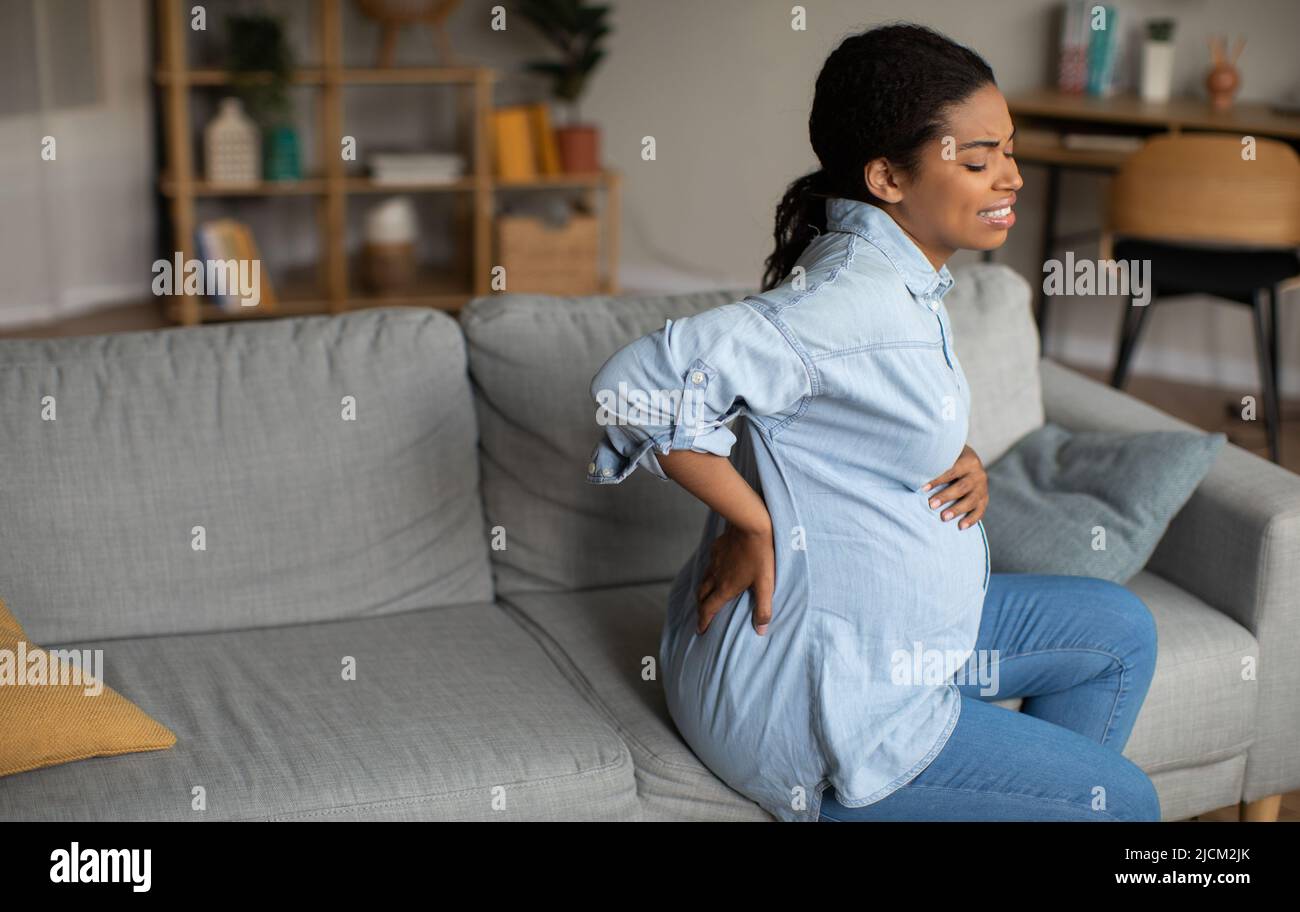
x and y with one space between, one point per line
1210 221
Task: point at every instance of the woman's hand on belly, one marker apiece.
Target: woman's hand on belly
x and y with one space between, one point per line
967 489
739 560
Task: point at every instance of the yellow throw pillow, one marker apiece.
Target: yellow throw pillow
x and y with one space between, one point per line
45 724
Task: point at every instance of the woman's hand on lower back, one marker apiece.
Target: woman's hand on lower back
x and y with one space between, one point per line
743 556
738 560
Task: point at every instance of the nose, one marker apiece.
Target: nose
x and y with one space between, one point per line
1015 181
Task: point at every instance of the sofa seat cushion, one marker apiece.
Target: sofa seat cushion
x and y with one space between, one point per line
1200 708
452 708
1198 711
603 638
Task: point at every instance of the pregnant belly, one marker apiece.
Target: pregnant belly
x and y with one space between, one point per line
885 551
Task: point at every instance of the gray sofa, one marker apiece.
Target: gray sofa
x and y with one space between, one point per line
502 613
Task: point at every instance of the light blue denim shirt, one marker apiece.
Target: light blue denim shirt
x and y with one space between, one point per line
850 398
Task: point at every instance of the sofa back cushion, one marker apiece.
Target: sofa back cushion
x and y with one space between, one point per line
532 359
118 448
996 339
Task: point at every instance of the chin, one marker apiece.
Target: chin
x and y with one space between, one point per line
990 241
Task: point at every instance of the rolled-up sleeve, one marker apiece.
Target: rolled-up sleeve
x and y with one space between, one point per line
678 387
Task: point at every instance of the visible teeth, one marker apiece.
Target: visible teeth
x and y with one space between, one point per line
996 213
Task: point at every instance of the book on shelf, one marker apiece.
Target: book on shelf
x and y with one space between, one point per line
1103 51
1090 48
513 142
248 252
524 142
548 151
225 240
1072 68
416 168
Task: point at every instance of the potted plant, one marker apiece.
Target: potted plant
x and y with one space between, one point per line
1158 60
261 65
576 29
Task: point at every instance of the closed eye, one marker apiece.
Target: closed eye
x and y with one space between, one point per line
982 167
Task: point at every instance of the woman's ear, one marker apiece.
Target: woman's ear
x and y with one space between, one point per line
880 180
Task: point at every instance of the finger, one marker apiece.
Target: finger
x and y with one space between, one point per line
975 515
961 507
946 476
951 492
965 505
762 604
711 606
705 587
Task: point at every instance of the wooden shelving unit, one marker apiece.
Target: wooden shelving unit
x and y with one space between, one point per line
329 291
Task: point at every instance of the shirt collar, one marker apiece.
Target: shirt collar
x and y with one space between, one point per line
874 224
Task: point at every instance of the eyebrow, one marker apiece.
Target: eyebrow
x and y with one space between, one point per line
990 143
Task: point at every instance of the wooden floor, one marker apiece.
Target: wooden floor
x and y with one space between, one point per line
1206 407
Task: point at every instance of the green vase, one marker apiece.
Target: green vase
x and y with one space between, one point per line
281 160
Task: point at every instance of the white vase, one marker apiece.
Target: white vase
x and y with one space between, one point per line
1157 70
233 146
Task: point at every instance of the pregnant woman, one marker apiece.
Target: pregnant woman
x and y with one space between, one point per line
820 646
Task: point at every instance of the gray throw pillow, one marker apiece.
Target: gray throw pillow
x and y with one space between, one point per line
1091 503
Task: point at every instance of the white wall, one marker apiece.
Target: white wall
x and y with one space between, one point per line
724 86
78 232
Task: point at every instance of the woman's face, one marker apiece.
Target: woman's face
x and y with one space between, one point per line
960 176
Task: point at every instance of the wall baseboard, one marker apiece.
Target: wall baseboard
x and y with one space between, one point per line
73 302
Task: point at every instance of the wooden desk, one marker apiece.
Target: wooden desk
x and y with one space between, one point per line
1175 115
1041 116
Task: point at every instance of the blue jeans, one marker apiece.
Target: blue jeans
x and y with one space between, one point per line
1081 652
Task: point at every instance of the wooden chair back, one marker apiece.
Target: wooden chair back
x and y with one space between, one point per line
1199 189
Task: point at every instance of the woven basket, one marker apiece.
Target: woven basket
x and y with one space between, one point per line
542 259
389 268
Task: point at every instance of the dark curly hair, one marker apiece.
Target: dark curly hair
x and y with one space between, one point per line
884 92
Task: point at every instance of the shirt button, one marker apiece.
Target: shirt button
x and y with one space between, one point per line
697 377
934 305
591 467
607 471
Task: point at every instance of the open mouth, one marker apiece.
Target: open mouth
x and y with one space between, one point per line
998 218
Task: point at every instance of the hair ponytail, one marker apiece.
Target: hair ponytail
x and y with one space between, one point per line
882 93
800 217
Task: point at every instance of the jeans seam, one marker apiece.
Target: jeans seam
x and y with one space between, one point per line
1119 692
945 788
1122 669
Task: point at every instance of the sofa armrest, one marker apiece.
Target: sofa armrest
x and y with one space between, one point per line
1235 545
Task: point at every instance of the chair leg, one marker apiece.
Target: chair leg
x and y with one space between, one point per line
1130 327
1263 810
1274 333
1048 245
1264 349
1123 350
